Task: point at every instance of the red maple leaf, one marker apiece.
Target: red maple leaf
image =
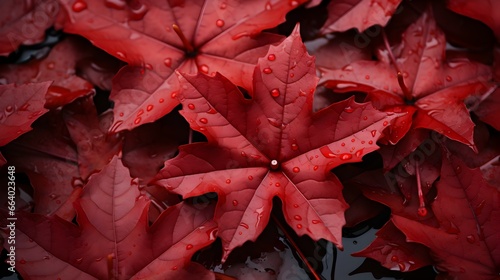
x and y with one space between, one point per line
25 22
360 14
112 225
271 146
466 244
487 11
430 88
20 107
203 35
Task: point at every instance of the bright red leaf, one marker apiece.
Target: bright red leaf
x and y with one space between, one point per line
209 36
466 245
25 22
431 89
112 226
61 66
20 106
271 146
360 14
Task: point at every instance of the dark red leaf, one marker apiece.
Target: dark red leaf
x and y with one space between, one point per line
89 132
25 22
271 146
20 106
393 252
487 11
466 245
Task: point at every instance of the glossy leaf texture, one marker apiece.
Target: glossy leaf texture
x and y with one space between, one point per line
209 36
465 245
271 145
25 22
360 14
20 106
112 226
437 86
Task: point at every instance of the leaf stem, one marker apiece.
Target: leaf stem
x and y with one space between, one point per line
422 211
405 89
185 41
297 249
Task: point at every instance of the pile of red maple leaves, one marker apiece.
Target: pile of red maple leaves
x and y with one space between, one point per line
151 139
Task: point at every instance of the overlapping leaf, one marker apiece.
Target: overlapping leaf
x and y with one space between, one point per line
218 36
112 226
466 244
435 87
271 146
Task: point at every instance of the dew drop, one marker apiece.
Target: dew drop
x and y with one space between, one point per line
121 55
137 121
149 108
348 109
204 120
326 152
271 57
347 68
275 92
267 70
235 202
174 267
448 78
121 114
191 106
458 169
277 184
471 239
219 23
50 65
342 144
203 68
223 6
168 62
250 177
385 123
295 147
189 246
367 77
228 181
453 229
292 75
22 261
79 6
315 222
345 156
422 211
79 260
295 206
299 226
296 169
315 167
394 258
243 154
161 100
211 111
244 225
370 142
297 217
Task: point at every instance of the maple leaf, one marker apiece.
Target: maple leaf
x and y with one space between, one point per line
25 22
204 35
360 14
61 66
112 225
20 107
271 146
466 244
393 252
428 87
